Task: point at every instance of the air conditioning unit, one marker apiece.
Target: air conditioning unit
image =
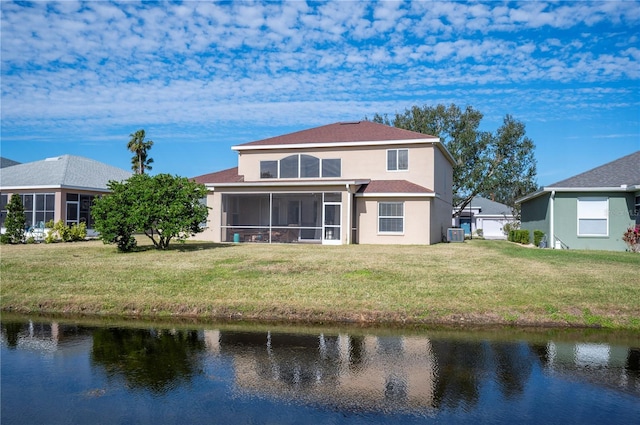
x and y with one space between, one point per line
455 235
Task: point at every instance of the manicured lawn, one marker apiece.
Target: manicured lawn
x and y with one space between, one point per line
475 282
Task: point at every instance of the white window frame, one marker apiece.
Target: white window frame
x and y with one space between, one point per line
593 208
397 152
387 232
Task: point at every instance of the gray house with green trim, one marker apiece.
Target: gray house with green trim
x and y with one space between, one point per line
591 210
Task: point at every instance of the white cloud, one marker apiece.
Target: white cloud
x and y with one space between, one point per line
194 63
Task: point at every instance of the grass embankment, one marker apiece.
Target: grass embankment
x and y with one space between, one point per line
478 282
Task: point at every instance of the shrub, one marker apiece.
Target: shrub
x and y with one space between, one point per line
519 236
510 226
15 221
61 232
632 238
78 232
537 237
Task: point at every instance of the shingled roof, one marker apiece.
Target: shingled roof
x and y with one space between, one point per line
623 171
230 175
392 186
489 207
341 132
62 171
6 162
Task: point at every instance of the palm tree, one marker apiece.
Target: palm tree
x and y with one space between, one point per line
137 145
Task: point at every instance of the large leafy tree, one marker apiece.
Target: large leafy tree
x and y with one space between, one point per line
500 165
163 207
139 146
15 221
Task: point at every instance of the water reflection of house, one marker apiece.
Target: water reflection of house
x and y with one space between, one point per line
612 366
45 337
367 372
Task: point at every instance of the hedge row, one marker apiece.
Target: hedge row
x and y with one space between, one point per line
524 236
519 236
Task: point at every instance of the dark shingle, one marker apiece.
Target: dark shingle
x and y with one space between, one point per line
230 175
393 186
623 171
361 131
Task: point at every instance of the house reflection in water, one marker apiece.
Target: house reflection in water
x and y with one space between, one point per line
354 372
363 372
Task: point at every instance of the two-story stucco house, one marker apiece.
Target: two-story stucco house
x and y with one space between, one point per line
342 183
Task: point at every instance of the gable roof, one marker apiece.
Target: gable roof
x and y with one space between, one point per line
66 171
622 171
620 175
6 162
489 207
230 175
363 132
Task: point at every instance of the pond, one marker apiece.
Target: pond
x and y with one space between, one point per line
66 372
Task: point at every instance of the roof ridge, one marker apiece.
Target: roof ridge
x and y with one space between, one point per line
598 168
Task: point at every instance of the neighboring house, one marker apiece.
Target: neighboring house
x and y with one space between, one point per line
591 210
58 188
486 216
6 162
342 183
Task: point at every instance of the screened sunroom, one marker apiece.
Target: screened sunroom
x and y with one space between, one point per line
282 217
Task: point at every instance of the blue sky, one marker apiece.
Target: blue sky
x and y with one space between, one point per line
200 77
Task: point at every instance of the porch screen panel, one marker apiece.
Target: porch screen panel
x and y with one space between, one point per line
44 207
4 200
27 203
85 210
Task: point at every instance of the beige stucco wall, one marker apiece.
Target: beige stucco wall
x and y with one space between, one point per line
357 162
417 214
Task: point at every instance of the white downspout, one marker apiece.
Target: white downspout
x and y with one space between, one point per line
551 224
349 218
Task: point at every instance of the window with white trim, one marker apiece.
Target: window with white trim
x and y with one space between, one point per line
391 217
637 210
268 169
593 216
300 166
397 159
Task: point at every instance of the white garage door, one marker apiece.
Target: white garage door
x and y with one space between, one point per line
492 229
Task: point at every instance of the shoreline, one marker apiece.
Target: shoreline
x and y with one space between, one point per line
478 283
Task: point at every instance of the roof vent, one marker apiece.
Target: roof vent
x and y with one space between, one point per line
350 122
55 158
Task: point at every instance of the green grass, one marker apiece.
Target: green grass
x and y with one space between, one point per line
484 282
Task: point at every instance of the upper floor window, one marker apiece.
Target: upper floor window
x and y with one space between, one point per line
397 159
593 217
331 167
300 166
268 169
